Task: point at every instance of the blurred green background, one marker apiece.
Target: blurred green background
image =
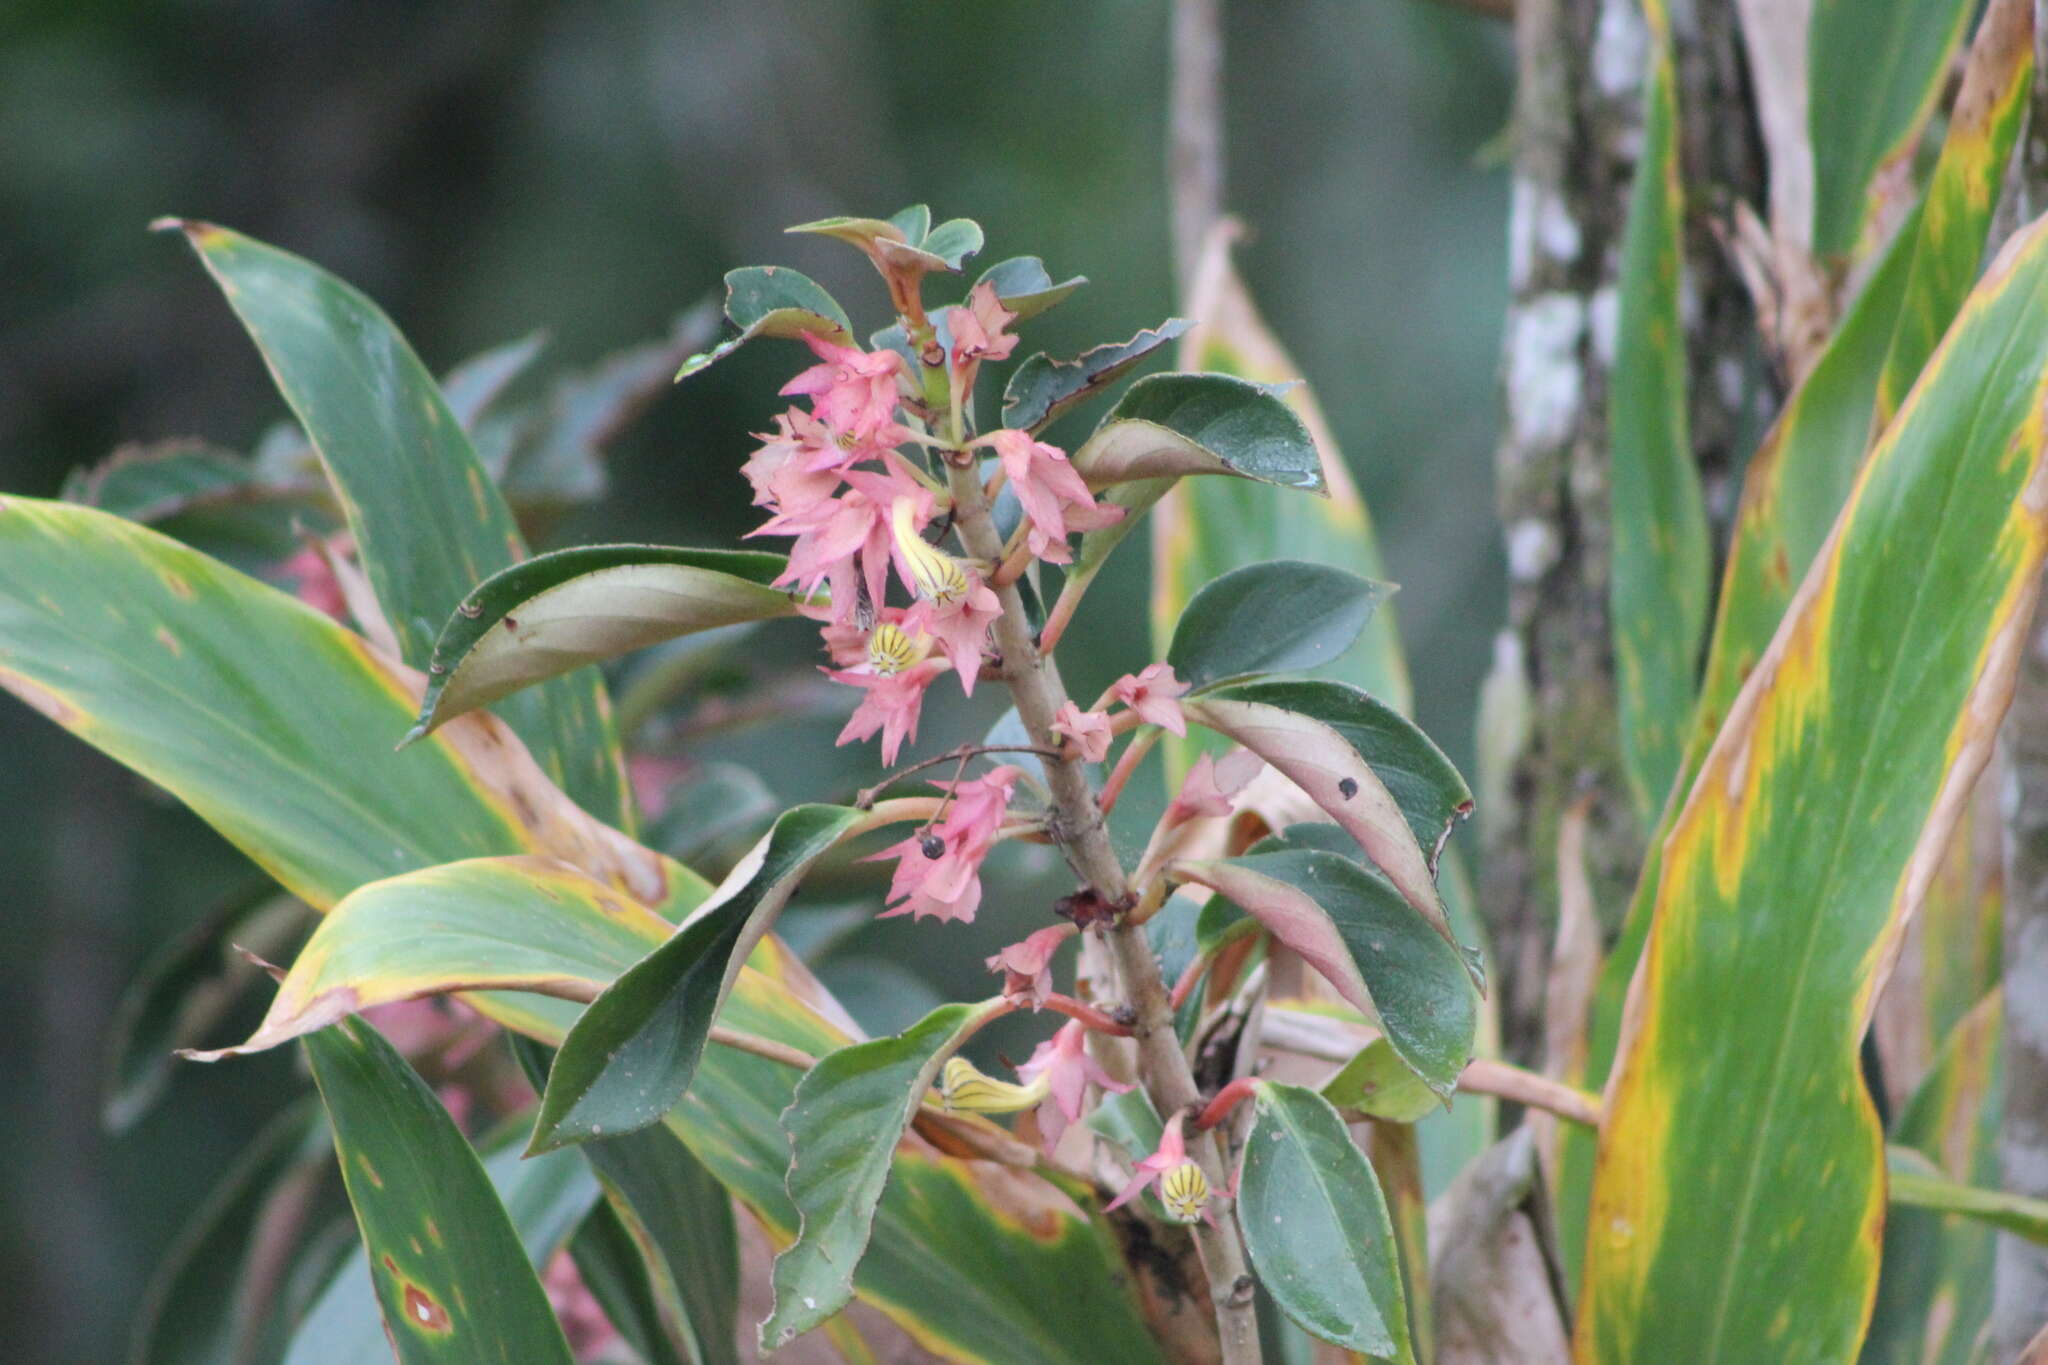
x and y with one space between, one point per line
592 169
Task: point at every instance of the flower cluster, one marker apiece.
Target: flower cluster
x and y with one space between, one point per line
849 482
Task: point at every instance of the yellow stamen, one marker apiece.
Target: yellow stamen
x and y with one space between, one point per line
891 649
965 1089
939 577
1184 1191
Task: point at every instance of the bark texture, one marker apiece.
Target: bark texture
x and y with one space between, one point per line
1549 729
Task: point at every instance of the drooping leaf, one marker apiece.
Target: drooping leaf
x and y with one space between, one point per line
1315 1225
1934 1290
609 1263
1379 1084
1875 69
634 1051
544 1201
271 722
1352 926
1318 759
427 521
1657 589
1041 388
1430 791
773 301
1881 690
1916 1183
451 1276
557 612
1023 286
1281 616
849 1112
550 929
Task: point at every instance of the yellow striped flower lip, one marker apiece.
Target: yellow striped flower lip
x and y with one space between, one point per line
1184 1191
891 649
938 576
965 1089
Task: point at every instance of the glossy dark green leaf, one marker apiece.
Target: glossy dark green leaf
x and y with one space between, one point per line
1377 1083
773 301
1281 616
452 1278
544 1200
1875 70
1315 1225
1042 388
559 611
1354 928
1430 791
632 1054
848 1114
1169 425
1023 286
427 521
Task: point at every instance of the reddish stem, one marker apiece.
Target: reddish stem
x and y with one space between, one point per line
1226 1100
1087 1016
1189 979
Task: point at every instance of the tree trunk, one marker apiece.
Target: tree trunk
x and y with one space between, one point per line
1549 724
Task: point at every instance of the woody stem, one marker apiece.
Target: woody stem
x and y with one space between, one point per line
1076 824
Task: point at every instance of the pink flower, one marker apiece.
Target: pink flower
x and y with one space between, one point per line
1089 730
853 391
1210 786
786 472
1055 497
584 1323
978 328
1064 1062
953 605
894 675
1183 1188
939 868
311 580
1151 693
1027 966
846 540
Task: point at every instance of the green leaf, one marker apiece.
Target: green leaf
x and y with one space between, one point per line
632 1054
426 519
1357 931
773 301
1657 590
1377 1083
1934 1288
1430 791
1023 286
1318 758
1041 388
1785 881
1316 1225
545 928
271 722
560 611
1277 617
953 241
849 1112
905 241
1170 425
678 1270
915 222
544 1200
1916 1183
1129 1120
1875 69
452 1279
609 1263
714 804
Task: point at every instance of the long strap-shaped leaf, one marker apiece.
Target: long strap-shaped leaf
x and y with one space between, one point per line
1741 1162
1657 594
451 1276
1801 474
427 519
